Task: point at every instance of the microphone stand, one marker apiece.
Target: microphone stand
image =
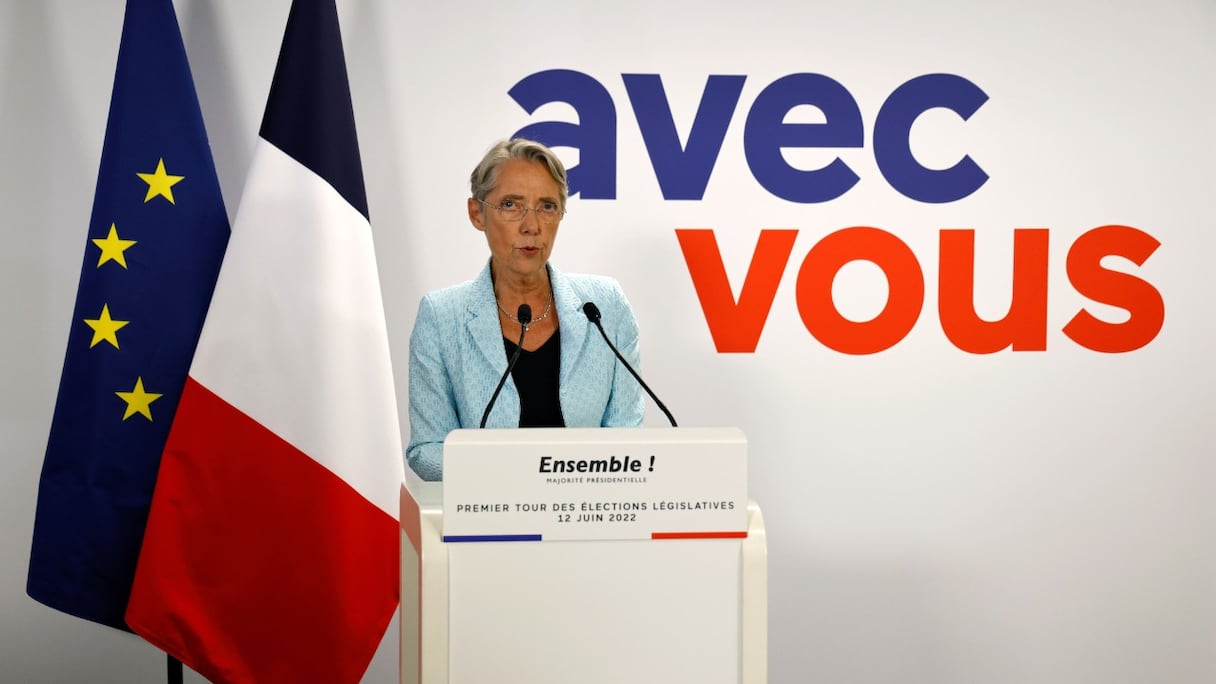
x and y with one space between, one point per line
593 314
524 316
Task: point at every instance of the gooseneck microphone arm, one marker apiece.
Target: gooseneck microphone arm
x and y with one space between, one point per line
524 316
593 314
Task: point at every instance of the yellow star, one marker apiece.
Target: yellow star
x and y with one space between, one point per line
159 183
112 248
104 327
138 401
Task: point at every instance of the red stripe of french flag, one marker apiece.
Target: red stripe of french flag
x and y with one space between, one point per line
268 566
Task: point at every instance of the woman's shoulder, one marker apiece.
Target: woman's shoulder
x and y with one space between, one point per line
446 305
450 292
458 295
591 285
605 291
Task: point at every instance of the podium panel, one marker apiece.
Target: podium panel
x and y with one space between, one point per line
591 611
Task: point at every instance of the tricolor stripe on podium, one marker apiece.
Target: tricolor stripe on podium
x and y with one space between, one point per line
459 538
271 553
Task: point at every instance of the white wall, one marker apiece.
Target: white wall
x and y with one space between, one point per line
934 516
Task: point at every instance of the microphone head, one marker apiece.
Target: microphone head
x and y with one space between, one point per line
592 312
524 315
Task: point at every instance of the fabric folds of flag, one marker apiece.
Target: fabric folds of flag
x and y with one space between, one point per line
271 551
155 242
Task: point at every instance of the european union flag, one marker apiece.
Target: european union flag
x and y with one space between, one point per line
156 239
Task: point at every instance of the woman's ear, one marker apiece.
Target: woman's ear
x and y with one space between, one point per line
477 215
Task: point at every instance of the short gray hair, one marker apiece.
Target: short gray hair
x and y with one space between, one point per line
485 176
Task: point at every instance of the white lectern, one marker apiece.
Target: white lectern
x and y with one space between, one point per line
584 555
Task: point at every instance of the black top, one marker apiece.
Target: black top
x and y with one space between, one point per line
535 375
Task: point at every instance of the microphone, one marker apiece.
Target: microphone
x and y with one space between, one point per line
524 316
593 314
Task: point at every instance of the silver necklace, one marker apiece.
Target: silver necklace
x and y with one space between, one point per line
543 316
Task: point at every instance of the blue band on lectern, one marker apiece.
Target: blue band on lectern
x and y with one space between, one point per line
490 537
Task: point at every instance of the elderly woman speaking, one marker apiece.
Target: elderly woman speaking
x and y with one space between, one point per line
466 335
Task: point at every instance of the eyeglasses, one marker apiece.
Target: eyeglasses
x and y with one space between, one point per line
512 210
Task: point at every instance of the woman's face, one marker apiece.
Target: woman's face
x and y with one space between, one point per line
519 249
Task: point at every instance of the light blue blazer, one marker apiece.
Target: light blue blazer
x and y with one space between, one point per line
457 358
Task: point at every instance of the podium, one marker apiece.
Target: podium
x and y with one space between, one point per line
584 555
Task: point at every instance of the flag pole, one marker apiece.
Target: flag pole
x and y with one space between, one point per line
174 669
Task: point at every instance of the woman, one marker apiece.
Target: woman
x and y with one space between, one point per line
566 376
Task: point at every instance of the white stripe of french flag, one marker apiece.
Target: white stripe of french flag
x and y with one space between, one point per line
271 552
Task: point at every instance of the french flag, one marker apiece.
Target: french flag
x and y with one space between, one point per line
271 550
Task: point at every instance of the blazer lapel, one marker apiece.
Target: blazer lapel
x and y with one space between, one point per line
573 324
482 323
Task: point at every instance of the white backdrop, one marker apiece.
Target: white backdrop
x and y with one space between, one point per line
934 515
